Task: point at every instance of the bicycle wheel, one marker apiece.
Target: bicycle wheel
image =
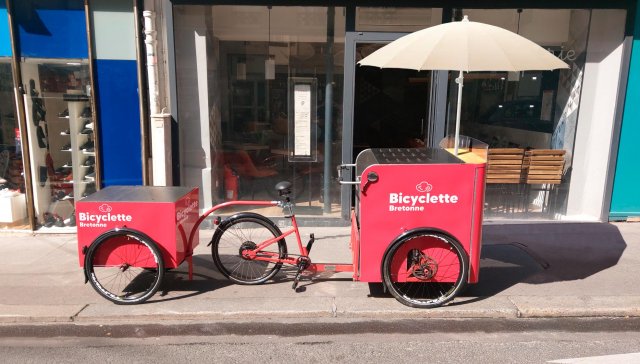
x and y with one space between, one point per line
124 266
243 232
425 269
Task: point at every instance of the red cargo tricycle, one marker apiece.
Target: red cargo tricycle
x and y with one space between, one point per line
416 228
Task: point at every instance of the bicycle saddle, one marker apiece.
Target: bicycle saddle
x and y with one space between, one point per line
283 188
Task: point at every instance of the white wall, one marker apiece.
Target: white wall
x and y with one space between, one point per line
192 72
596 115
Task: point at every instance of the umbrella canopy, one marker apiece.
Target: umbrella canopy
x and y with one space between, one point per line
463 46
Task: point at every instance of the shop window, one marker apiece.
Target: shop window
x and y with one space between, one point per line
236 69
13 210
60 127
533 113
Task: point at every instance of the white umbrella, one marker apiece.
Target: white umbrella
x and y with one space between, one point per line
463 46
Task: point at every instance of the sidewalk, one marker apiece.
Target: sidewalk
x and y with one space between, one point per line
533 270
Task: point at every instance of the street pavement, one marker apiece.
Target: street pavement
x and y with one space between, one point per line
535 270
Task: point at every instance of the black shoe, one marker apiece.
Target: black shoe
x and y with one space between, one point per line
49 219
71 221
42 139
66 148
86 131
91 188
90 170
43 175
86 113
64 114
87 147
90 161
58 195
58 221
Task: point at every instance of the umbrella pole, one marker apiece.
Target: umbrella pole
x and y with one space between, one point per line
456 142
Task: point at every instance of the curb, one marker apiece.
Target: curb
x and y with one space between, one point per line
313 308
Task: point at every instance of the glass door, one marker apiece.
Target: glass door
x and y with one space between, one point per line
383 108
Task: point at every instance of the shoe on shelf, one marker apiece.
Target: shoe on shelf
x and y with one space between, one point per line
86 146
88 125
91 188
90 170
65 132
66 147
90 161
71 221
58 195
63 169
49 219
86 131
86 113
68 196
58 221
64 114
90 177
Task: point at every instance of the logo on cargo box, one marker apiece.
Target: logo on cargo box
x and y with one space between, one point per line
105 208
418 202
424 187
181 215
95 220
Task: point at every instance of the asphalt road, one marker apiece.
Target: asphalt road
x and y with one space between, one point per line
452 341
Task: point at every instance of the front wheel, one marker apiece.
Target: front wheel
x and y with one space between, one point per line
124 266
425 269
234 243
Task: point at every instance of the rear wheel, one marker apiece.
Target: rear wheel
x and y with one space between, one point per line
425 269
124 266
239 235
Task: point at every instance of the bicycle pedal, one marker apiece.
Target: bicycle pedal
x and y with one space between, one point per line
312 239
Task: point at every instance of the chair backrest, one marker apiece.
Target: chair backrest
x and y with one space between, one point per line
504 165
544 166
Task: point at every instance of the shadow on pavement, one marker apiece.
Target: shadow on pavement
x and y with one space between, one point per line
176 283
544 253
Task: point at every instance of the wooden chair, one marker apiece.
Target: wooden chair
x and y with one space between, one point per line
503 177
543 167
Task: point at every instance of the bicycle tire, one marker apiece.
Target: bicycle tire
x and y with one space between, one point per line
425 269
244 231
124 266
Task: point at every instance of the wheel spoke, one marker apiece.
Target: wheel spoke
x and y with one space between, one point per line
246 233
124 267
436 268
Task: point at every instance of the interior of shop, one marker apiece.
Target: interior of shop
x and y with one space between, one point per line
240 69
60 130
262 63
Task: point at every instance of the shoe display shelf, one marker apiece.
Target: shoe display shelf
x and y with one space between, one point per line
81 143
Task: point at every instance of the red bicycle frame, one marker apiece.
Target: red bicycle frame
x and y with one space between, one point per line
258 254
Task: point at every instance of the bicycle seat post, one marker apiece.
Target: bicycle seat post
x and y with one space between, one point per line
284 190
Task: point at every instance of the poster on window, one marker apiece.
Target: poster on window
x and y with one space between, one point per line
302 119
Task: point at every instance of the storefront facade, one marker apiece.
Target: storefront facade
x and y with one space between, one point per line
70 109
221 82
238 67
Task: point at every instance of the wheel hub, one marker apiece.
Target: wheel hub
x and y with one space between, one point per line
423 267
245 247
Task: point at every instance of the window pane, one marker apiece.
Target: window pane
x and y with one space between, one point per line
235 68
531 110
